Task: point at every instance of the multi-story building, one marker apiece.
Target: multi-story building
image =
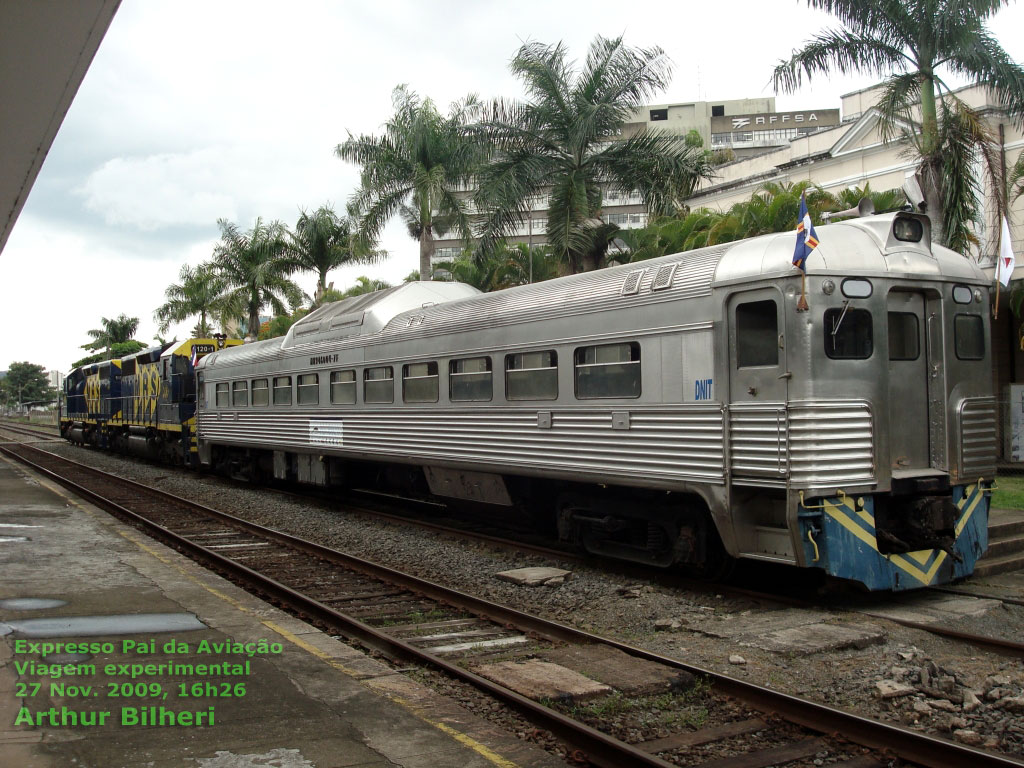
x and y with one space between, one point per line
743 126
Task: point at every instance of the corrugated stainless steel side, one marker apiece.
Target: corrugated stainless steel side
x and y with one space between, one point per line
813 443
680 444
978 447
757 440
831 443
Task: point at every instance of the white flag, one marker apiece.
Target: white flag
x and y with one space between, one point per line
1006 260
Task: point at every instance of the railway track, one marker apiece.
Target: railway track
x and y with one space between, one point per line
410 619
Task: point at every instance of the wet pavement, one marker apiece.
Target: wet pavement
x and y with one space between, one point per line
116 651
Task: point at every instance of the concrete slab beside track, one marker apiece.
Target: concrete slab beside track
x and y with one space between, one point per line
316 703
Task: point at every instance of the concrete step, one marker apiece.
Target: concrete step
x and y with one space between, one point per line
999 545
989 566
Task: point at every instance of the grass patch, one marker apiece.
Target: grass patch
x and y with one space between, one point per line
1009 493
672 708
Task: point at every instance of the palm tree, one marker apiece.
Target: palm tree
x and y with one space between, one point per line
907 42
323 241
365 285
417 168
254 268
561 141
198 292
117 331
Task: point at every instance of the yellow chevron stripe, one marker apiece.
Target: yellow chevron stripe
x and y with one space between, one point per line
840 517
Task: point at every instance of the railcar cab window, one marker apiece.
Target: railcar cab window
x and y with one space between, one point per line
969 337
260 392
343 387
848 334
419 382
607 370
904 336
308 389
282 390
470 378
531 375
379 385
757 334
240 393
223 395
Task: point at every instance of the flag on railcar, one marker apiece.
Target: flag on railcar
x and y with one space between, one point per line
1007 262
806 241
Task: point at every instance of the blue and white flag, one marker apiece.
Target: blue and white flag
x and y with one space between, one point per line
806 238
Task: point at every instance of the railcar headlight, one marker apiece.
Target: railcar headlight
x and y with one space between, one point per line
828 287
978 295
907 230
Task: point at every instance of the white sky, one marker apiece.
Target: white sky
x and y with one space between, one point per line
194 111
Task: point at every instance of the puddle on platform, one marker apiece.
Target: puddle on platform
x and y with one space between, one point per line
8 539
18 525
30 603
85 626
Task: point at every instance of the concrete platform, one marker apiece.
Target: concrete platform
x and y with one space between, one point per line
317 702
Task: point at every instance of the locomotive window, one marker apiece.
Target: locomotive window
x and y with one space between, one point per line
260 392
962 294
419 383
757 334
308 389
608 370
531 376
848 334
282 390
904 336
470 379
239 393
223 395
379 385
856 288
969 333
343 387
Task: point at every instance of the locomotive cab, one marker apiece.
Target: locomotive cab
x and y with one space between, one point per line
866 423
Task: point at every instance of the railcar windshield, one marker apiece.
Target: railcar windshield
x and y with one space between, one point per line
848 334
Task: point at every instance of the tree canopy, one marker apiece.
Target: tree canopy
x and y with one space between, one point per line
26 382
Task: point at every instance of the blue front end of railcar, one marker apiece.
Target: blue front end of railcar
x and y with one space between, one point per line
839 536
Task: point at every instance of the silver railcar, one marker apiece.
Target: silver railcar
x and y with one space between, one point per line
672 411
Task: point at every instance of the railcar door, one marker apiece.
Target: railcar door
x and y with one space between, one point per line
758 384
909 353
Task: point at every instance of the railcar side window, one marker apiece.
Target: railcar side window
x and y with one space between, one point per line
757 334
969 335
282 390
531 375
308 389
470 379
260 392
343 387
239 393
419 383
904 336
848 334
223 395
379 385
608 370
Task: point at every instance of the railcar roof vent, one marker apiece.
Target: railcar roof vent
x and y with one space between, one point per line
631 285
663 279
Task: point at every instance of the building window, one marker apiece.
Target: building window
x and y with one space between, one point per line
308 390
718 110
757 334
531 375
240 394
260 392
282 390
343 387
608 370
379 385
419 383
470 379
659 114
223 395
